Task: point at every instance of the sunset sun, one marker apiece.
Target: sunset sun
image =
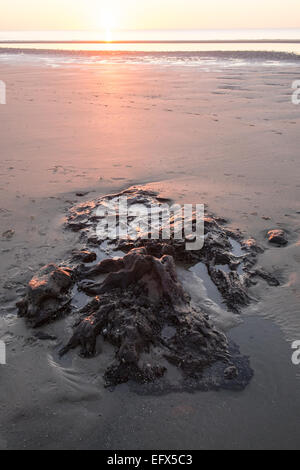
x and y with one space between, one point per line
108 23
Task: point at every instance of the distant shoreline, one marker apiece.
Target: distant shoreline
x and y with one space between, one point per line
127 54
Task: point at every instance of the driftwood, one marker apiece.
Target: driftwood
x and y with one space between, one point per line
141 308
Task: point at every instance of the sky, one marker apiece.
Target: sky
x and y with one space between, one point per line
94 15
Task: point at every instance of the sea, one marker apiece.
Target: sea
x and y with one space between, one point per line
279 40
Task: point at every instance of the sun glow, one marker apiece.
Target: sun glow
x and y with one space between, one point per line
108 23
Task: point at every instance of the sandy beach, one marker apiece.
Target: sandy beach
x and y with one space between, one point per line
227 137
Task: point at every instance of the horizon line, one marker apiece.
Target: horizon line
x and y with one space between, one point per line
184 41
149 29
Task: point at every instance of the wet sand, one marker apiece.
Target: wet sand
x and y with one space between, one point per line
229 139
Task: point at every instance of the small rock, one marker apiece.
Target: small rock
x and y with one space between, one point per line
251 244
85 256
8 234
82 194
47 295
44 336
231 373
278 237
